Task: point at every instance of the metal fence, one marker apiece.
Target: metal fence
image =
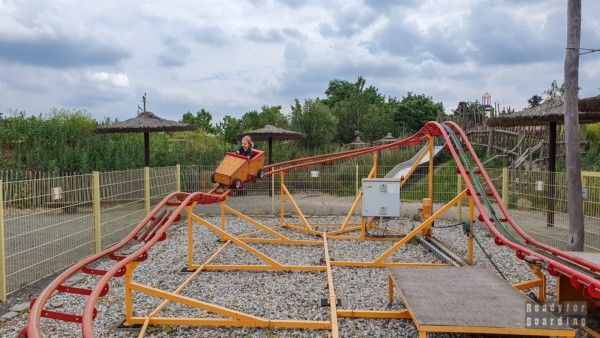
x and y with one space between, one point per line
50 223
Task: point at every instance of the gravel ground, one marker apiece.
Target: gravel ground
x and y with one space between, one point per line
276 295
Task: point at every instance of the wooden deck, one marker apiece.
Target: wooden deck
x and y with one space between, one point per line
467 300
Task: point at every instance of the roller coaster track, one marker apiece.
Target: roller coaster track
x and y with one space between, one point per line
153 227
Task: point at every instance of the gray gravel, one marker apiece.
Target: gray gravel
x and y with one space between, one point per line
276 295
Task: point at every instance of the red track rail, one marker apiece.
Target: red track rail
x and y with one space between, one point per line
577 278
157 214
181 200
528 239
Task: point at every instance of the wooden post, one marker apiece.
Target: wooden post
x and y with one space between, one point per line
2 247
356 180
551 173
505 187
146 149
177 177
96 208
490 142
147 189
574 200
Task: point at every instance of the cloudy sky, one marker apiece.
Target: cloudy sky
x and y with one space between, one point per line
234 56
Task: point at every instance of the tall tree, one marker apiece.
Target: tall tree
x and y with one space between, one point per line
575 200
413 111
202 119
316 120
229 128
535 101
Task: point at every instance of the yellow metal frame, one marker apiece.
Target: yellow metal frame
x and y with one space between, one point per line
271 235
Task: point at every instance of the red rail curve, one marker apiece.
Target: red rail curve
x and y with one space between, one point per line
497 198
181 200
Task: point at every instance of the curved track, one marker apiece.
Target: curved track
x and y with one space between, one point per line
152 229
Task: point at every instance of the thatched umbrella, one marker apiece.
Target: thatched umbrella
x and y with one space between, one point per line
270 133
358 143
550 112
386 140
145 122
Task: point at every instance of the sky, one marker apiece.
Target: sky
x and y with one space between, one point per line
230 57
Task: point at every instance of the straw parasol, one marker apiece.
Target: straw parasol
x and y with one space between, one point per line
358 143
386 140
270 133
145 122
550 112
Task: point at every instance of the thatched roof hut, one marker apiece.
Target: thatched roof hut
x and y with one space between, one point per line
549 111
145 122
270 133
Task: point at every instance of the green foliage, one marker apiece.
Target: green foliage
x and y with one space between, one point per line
535 101
65 140
229 128
202 119
358 110
316 120
414 110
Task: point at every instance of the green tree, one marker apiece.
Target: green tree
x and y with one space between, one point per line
202 119
413 111
358 109
535 101
316 120
229 128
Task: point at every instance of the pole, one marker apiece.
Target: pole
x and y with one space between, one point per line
96 207
271 161
2 248
146 149
147 189
575 200
551 174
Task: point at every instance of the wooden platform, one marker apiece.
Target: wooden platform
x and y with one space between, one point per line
467 300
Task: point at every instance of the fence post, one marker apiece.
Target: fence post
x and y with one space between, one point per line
458 191
505 186
177 177
2 248
96 207
356 180
147 189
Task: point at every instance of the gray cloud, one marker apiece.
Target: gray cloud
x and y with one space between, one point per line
59 51
175 53
348 21
509 40
269 36
211 35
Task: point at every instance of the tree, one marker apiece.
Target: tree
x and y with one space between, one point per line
358 109
202 119
535 101
414 110
555 91
229 128
268 115
316 120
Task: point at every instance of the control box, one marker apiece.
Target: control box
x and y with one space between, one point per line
381 197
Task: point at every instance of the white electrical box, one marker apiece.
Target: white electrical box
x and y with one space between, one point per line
381 197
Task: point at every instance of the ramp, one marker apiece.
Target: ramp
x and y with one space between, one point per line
466 300
402 168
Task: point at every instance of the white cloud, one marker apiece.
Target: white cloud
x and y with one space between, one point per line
109 79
